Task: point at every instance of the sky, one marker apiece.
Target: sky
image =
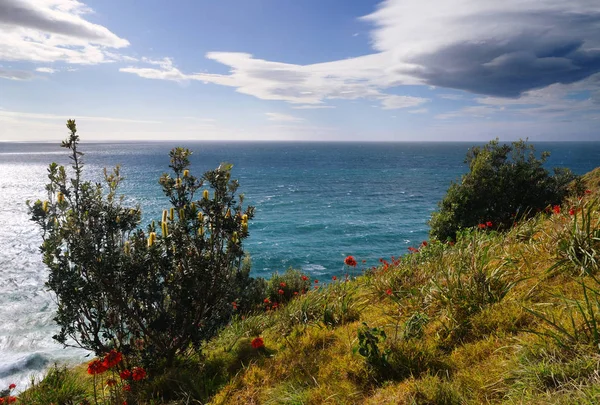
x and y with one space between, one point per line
300 70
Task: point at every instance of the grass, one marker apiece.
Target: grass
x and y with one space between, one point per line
501 318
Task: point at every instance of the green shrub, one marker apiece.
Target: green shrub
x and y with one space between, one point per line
152 293
504 182
59 386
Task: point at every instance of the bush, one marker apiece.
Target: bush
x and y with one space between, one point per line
504 182
152 293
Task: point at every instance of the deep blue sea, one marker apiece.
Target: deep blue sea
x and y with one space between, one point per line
315 203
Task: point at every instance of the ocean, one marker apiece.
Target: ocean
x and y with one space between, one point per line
315 203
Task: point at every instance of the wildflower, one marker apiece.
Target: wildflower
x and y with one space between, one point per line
275 305
481 226
96 367
334 278
125 375
151 238
12 400
424 243
12 386
244 219
181 213
282 284
556 209
588 191
295 292
112 359
165 229
266 300
410 249
316 281
304 278
234 237
138 373
257 342
350 261
172 213
111 382
571 211
280 292
388 291
488 224
200 217
186 173
235 305
205 194
127 387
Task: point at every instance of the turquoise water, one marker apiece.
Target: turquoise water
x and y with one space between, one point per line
315 204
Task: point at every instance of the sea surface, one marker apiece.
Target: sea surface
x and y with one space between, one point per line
315 203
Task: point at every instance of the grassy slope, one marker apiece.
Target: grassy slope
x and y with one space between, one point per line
459 322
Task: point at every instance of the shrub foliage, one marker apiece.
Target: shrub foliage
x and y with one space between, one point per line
503 182
156 292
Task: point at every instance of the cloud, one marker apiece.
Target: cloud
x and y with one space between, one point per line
11 115
46 70
282 117
395 102
418 111
15 74
498 49
52 31
312 107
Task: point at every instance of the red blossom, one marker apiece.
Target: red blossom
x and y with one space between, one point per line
12 386
112 358
334 278
412 249
266 300
235 305
316 281
127 387
125 375
388 291
295 292
424 243
489 224
111 382
588 191
304 278
282 284
350 261
481 226
257 342
96 367
12 400
280 292
556 209
138 373
571 211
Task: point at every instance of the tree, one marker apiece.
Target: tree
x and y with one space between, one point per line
154 293
504 182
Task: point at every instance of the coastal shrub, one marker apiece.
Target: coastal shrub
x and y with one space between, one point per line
153 293
60 385
504 182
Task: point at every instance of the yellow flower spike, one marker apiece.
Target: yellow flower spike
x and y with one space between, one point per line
126 247
205 194
165 229
193 206
118 219
45 206
172 214
151 239
186 173
178 182
164 216
60 197
200 217
234 237
245 227
181 213
201 231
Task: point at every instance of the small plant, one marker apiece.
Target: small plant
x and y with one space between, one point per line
368 345
414 328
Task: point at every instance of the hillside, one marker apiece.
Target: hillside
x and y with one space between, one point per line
494 318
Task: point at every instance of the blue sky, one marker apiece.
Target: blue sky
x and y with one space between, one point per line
393 70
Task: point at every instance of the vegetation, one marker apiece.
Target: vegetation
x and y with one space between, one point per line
503 315
504 183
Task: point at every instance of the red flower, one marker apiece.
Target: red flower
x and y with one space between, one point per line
334 278
350 261
282 284
138 373
556 209
12 400
266 300
96 367
488 224
424 243
235 305
388 291
281 292
12 386
125 375
295 292
112 359
111 382
571 211
275 305
412 249
588 191
316 281
257 343
127 387
304 278
481 226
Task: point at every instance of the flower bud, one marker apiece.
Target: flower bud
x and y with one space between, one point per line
205 194
178 182
164 216
245 219
151 239
200 217
126 247
172 214
245 226
118 219
234 237
181 213
186 173
60 197
201 231
165 229
45 206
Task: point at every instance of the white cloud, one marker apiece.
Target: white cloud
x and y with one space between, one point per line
395 102
312 107
15 74
282 117
11 115
46 70
53 31
418 111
